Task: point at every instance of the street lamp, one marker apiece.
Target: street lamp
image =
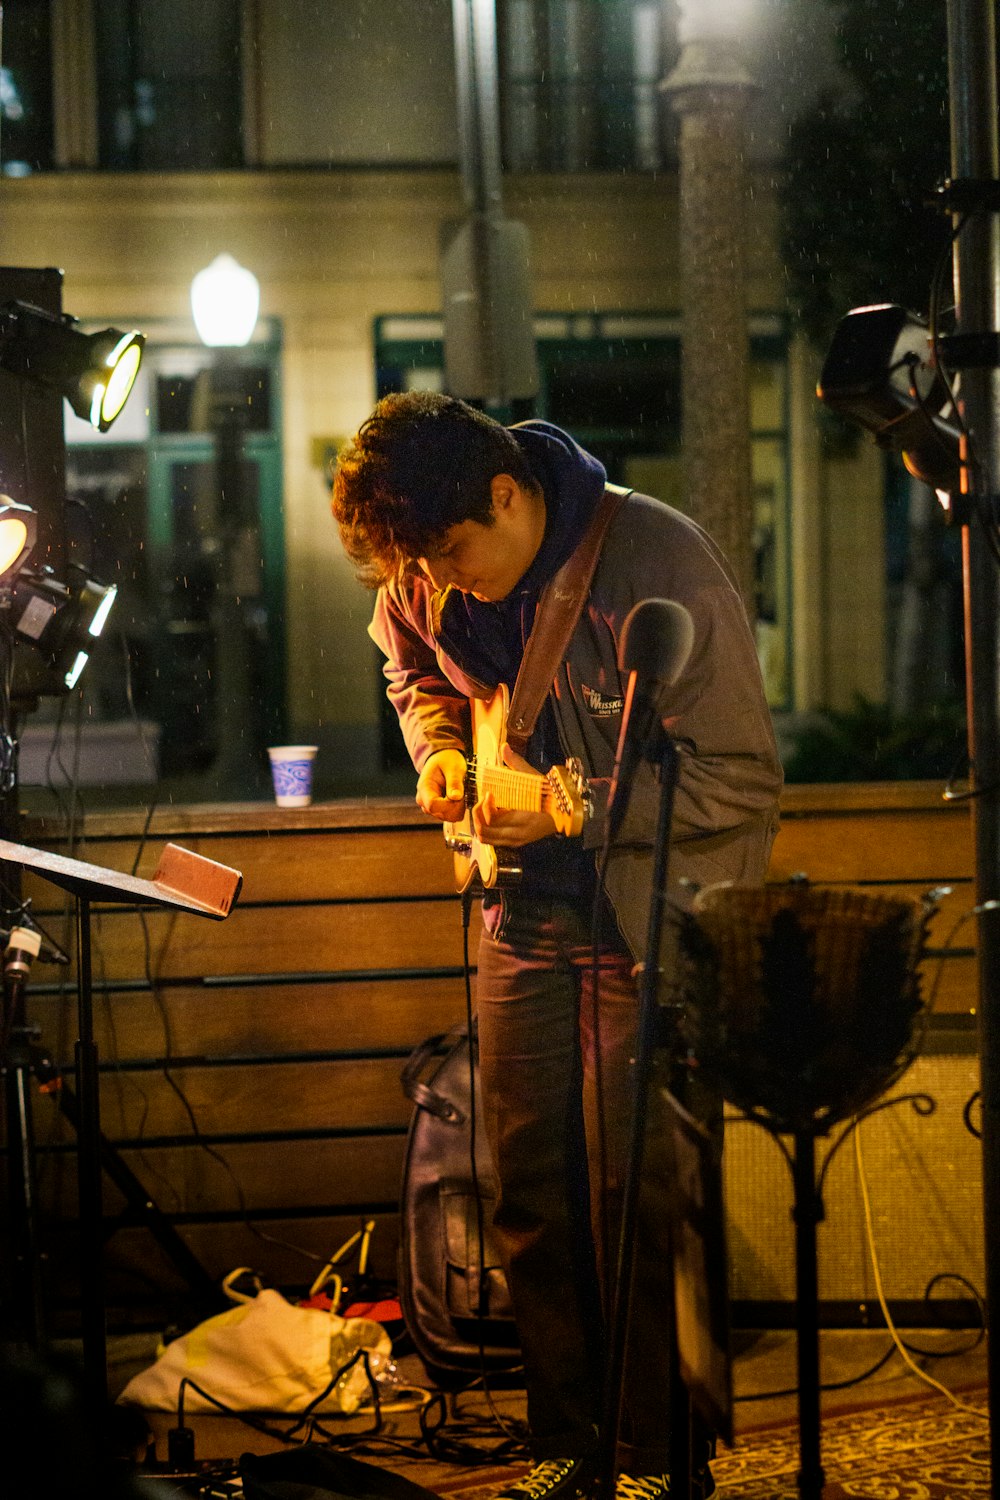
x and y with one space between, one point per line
225 300
709 89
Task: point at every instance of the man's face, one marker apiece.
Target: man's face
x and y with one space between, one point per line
487 561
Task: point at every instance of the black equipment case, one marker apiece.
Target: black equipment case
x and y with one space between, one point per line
454 1297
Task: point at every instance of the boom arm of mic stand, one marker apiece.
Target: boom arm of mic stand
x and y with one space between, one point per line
680 1443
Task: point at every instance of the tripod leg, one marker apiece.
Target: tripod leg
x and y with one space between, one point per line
142 1205
24 1318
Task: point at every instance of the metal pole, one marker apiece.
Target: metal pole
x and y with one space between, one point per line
974 153
476 76
489 344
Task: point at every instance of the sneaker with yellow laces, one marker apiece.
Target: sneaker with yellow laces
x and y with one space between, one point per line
552 1479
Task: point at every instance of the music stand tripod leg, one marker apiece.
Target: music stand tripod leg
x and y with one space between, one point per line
140 1203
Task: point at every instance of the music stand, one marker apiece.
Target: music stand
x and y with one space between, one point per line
184 881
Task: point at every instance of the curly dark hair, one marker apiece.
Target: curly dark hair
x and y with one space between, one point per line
419 465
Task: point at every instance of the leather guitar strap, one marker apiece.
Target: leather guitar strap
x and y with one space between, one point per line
558 610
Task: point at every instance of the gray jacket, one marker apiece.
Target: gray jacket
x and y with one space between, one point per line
725 808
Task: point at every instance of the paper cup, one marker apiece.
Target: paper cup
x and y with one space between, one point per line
291 771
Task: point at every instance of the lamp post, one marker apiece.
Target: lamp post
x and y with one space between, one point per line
225 300
709 89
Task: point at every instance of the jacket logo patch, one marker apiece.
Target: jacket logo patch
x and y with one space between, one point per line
598 704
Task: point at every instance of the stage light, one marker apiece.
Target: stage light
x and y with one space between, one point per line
18 531
62 621
880 373
94 371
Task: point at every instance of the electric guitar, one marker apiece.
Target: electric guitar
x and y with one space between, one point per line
562 793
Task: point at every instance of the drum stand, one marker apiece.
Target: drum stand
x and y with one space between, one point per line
807 1213
801 1010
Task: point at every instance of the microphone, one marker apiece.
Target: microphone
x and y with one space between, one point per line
46 953
656 642
23 948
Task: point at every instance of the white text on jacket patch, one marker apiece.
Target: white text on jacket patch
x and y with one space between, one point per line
599 705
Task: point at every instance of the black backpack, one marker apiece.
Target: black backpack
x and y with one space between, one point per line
455 1301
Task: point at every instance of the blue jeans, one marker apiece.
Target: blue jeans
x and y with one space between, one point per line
540 1055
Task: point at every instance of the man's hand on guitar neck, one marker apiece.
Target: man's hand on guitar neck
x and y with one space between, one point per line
510 829
441 786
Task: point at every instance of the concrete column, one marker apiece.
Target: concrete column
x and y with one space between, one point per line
709 90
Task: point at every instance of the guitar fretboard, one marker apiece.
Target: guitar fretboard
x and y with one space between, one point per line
513 791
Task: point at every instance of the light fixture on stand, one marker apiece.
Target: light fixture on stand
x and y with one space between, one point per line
62 621
880 372
94 371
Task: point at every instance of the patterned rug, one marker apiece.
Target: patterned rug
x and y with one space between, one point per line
919 1449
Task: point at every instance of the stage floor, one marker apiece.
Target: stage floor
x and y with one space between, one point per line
763 1364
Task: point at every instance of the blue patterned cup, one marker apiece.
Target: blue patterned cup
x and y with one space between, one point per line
291 771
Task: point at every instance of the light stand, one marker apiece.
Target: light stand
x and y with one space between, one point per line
973 481
972 88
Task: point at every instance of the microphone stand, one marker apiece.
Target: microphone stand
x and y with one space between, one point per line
660 750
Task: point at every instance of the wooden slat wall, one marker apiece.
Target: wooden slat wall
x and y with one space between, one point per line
893 837
251 1067
278 1035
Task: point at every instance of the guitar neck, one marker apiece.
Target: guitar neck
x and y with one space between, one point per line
514 791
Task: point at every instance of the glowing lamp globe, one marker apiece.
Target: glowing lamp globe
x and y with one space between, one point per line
225 301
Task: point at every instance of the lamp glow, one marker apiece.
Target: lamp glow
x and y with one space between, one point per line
225 301
18 525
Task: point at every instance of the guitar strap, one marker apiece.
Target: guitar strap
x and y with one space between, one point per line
555 620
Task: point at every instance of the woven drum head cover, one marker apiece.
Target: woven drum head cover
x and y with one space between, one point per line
799 1003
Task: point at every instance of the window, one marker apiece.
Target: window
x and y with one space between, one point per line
169 85
579 84
26 143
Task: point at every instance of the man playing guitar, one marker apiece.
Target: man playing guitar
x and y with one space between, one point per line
460 523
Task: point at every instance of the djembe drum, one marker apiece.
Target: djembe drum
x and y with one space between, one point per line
801 1006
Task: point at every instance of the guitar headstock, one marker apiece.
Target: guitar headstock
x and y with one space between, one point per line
569 803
